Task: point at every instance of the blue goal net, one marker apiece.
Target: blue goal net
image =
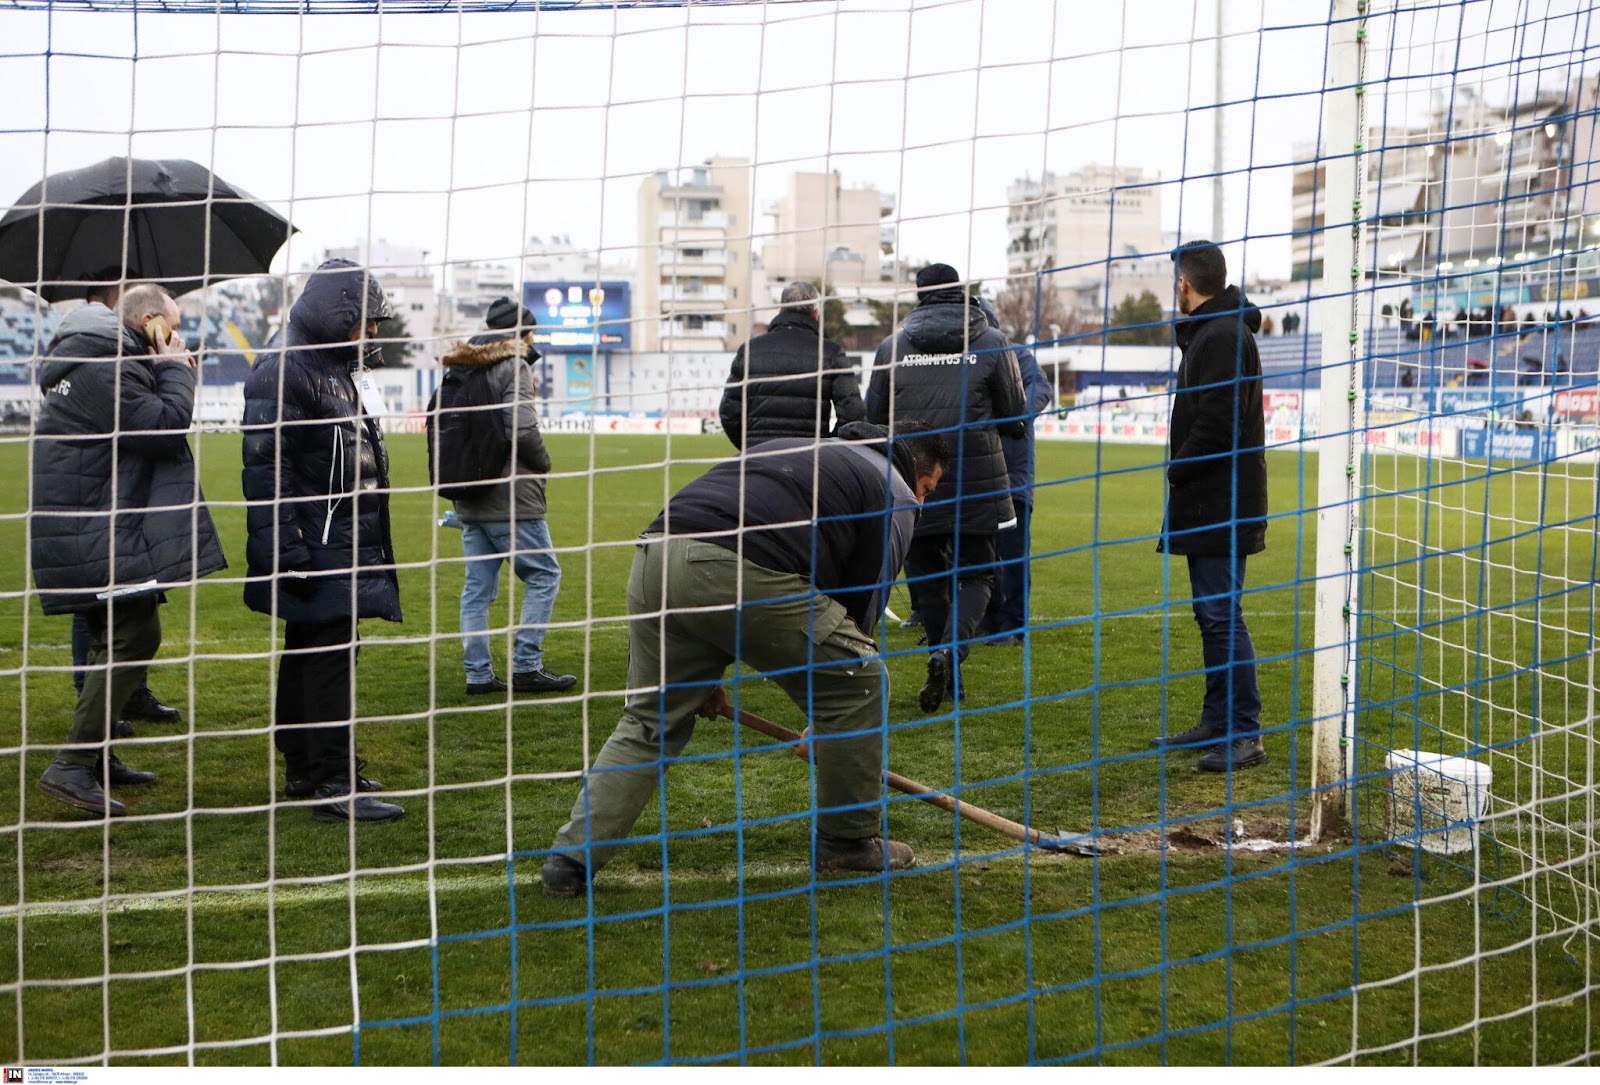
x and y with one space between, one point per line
781 532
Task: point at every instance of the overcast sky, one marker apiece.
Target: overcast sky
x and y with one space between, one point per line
464 134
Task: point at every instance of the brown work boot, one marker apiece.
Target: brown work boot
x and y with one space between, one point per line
871 854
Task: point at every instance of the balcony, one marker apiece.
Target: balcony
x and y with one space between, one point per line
689 190
710 220
682 326
683 293
711 266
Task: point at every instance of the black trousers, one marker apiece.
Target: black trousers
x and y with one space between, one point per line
931 564
314 714
1008 606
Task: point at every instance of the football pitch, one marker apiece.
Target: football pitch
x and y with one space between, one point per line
237 930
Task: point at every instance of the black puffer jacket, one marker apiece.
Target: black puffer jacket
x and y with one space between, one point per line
315 469
1217 477
775 390
81 472
946 366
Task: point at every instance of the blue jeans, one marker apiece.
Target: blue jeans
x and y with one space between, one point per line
1232 699
533 560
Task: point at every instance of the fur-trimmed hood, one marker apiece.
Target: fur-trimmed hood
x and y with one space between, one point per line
482 350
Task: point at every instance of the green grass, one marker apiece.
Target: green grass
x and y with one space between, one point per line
1184 953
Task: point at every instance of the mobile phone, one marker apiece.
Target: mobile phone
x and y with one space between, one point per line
157 330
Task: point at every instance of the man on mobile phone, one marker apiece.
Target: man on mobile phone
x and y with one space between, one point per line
117 514
105 289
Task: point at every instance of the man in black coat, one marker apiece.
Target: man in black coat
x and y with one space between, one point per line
1007 616
782 382
316 476
781 561
117 514
1217 498
948 367
106 289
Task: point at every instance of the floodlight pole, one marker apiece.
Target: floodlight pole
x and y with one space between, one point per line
1342 438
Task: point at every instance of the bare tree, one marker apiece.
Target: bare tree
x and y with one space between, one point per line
1027 308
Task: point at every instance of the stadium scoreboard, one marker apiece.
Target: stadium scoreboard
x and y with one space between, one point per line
580 315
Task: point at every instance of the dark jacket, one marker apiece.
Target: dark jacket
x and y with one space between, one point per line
1217 474
512 378
776 389
163 532
1036 388
316 473
834 512
1019 450
946 366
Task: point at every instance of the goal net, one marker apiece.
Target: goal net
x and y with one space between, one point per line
623 219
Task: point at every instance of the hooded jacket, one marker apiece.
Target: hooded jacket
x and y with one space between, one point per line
316 473
1217 469
115 501
839 512
947 367
507 358
782 383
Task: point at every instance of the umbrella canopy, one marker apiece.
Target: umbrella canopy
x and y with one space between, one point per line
184 226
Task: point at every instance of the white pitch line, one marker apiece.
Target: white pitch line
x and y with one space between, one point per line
377 886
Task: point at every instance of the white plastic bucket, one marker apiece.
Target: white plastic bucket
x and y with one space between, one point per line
1436 801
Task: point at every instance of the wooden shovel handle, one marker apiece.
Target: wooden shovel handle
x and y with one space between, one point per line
975 814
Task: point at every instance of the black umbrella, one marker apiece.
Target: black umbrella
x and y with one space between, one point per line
185 228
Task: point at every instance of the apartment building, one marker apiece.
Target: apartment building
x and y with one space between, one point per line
1096 229
695 272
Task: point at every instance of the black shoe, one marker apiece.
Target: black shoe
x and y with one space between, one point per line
939 683
301 787
339 805
913 621
144 706
121 775
77 786
871 854
480 689
1012 640
1199 736
563 877
542 681
121 729
1242 753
